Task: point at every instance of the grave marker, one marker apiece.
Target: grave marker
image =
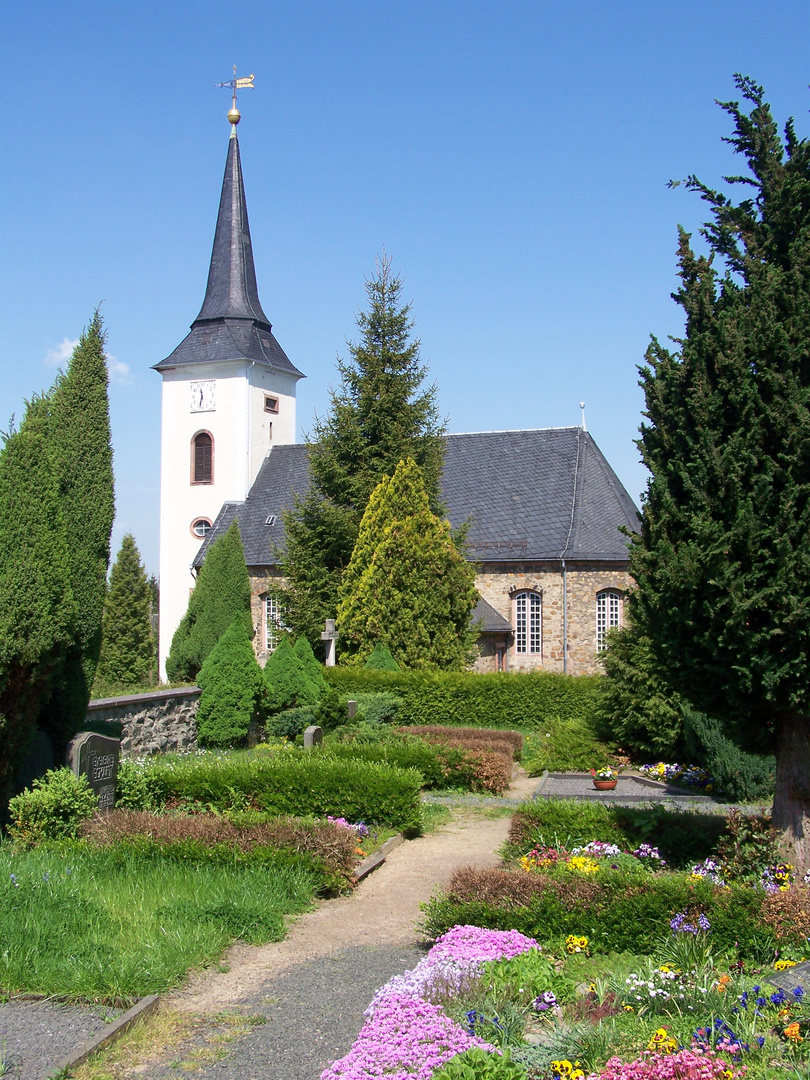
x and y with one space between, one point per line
96 757
313 736
330 636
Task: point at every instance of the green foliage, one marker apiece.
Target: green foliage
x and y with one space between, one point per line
467 699
562 746
232 689
438 766
287 681
290 723
298 783
127 659
722 562
378 415
313 669
748 846
637 707
380 708
52 809
80 446
222 593
381 659
478 1064
407 585
739 775
332 711
36 599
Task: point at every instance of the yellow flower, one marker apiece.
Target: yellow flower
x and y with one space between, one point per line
575 944
662 1042
583 864
783 965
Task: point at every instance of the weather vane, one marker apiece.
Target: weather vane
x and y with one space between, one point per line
245 83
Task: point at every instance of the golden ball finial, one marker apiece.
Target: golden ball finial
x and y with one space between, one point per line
234 116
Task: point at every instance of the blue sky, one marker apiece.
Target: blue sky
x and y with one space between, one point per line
511 157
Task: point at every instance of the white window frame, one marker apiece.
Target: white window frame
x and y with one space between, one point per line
529 623
609 603
272 623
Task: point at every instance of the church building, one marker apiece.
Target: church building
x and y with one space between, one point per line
548 517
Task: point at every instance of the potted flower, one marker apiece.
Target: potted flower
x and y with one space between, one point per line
604 779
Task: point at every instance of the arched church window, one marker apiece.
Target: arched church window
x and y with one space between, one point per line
202 458
528 623
608 615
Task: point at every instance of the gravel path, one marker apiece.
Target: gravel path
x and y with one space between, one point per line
35 1034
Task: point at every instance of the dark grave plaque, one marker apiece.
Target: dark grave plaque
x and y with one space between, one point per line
96 757
790 978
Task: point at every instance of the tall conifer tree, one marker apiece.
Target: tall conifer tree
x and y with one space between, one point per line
407 585
723 560
81 451
222 594
380 414
128 658
37 610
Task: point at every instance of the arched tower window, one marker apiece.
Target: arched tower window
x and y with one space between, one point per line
608 615
202 458
528 623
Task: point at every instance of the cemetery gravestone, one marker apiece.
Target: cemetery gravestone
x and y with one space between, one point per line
96 757
790 978
313 736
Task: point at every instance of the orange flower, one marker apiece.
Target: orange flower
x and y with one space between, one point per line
792 1032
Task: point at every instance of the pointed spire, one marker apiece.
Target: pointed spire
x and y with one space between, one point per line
231 292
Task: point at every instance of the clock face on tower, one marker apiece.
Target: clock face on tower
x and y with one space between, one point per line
202 396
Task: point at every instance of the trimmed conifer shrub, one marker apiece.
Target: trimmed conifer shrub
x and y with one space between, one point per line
287 681
312 666
221 594
232 689
127 659
381 659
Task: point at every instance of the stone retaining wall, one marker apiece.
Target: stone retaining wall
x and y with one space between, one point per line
152 723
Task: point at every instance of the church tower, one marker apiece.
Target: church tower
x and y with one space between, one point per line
228 398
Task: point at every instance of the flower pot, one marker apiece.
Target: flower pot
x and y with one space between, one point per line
604 785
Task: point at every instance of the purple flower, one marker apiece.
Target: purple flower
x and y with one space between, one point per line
547 1000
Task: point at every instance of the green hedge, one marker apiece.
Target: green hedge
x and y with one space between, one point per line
467 699
439 766
302 784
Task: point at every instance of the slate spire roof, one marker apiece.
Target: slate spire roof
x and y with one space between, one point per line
231 324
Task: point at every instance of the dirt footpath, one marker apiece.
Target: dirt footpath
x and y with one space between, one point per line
383 910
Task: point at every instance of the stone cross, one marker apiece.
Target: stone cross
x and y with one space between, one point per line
330 636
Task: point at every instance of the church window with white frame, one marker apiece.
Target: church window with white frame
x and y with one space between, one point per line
529 623
272 623
608 615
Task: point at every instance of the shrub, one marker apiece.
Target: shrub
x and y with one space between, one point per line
472 738
312 666
379 708
52 809
516 699
288 684
332 710
293 783
740 775
381 659
232 689
439 767
478 1064
290 723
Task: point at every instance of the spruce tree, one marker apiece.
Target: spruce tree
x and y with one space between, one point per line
37 610
222 593
81 451
722 561
381 659
380 414
287 681
127 660
407 585
232 689
303 650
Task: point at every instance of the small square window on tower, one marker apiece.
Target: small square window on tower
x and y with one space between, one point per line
270 404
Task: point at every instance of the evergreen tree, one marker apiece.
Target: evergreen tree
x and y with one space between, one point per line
287 681
232 689
303 650
381 659
723 562
37 609
127 659
222 593
407 585
379 415
81 451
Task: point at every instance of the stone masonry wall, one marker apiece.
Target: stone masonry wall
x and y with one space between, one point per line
499 582
152 723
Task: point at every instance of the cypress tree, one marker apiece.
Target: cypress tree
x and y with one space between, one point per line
37 610
127 659
407 586
222 593
380 414
81 450
232 689
722 562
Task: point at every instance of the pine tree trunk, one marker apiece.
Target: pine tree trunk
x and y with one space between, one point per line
791 799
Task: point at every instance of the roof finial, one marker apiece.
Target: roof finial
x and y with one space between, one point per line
245 83
582 406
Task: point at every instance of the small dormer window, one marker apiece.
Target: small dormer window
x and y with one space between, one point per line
271 519
270 404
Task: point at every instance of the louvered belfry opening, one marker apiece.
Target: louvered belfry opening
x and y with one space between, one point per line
203 458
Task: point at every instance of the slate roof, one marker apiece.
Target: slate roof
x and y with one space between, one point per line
491 621
231 324
529 496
